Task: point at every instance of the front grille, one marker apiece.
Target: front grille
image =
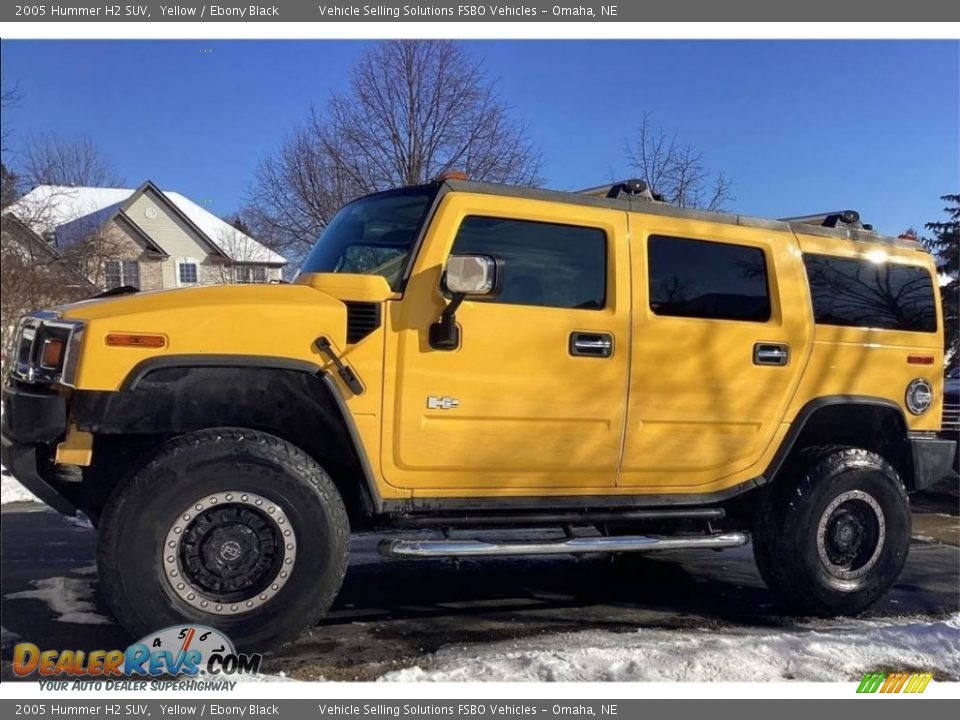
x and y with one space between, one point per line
362 319
951 417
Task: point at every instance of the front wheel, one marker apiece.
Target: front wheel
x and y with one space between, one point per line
228 528
832 537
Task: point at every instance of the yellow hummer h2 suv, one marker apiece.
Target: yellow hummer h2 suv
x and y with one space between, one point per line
468 356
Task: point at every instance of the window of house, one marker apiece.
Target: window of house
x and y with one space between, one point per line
118 273
857 292
251 274
695 278
544 264
187 272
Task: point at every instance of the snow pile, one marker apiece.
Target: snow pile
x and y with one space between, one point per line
827 653
69 598
80 521
11 491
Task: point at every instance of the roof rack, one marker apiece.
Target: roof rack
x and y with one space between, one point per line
634 187
834 219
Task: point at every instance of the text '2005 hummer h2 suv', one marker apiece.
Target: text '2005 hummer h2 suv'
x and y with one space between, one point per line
468 356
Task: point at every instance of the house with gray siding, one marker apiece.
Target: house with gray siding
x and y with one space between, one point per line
147 238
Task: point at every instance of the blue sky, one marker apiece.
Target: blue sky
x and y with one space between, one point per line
800 126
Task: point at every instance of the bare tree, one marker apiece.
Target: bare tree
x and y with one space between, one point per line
675 170
298 190
59 165
418 108
10 97
50 159
48 260
32 275
414 109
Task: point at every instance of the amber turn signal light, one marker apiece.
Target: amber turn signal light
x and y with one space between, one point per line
52 353
452 175
132 340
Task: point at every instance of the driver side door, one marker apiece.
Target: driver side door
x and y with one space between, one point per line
529 402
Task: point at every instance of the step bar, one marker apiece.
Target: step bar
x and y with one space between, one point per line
570 546
557 517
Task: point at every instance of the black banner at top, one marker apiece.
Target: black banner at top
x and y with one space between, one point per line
320 11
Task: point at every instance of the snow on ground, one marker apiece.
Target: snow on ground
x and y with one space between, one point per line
70 598
12 491
78 521
844 651
259 678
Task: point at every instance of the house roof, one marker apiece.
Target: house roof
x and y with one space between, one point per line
26 235
50 208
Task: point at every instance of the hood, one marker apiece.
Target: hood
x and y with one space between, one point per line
248 321
207 297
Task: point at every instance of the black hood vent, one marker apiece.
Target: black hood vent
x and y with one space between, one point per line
362 319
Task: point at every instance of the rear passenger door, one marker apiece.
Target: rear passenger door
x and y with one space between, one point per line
719 341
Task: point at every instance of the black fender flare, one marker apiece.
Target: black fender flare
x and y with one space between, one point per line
807 413
135 378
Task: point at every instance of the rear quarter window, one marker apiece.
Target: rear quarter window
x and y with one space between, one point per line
854 292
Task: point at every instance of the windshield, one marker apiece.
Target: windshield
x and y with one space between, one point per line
373 235
954 374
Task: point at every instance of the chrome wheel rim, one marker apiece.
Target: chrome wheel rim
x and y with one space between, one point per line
229 553
850 535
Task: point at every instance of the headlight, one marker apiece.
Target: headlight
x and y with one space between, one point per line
919 396
48 349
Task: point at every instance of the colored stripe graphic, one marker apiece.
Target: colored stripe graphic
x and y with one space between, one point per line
912 683
871 682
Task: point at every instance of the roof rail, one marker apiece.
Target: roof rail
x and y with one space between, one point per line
834 219
634 187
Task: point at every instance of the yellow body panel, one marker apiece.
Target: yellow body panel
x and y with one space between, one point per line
254 320
679 407
530 415
872 362
701 413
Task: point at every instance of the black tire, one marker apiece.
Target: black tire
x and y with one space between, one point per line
142 515
846 566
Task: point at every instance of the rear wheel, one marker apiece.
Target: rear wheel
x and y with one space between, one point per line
229 528
833 536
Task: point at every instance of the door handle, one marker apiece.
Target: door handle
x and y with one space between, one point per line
771 354
587 344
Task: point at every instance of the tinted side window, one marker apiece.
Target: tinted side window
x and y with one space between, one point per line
694 278
544 264
860 293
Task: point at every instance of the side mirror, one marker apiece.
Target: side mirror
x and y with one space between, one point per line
471 275
464 275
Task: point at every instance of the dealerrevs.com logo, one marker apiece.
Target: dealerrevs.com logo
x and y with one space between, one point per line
172 652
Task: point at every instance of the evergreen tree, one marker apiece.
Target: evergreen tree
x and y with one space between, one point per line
945 246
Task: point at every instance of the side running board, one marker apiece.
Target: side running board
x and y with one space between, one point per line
574 546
